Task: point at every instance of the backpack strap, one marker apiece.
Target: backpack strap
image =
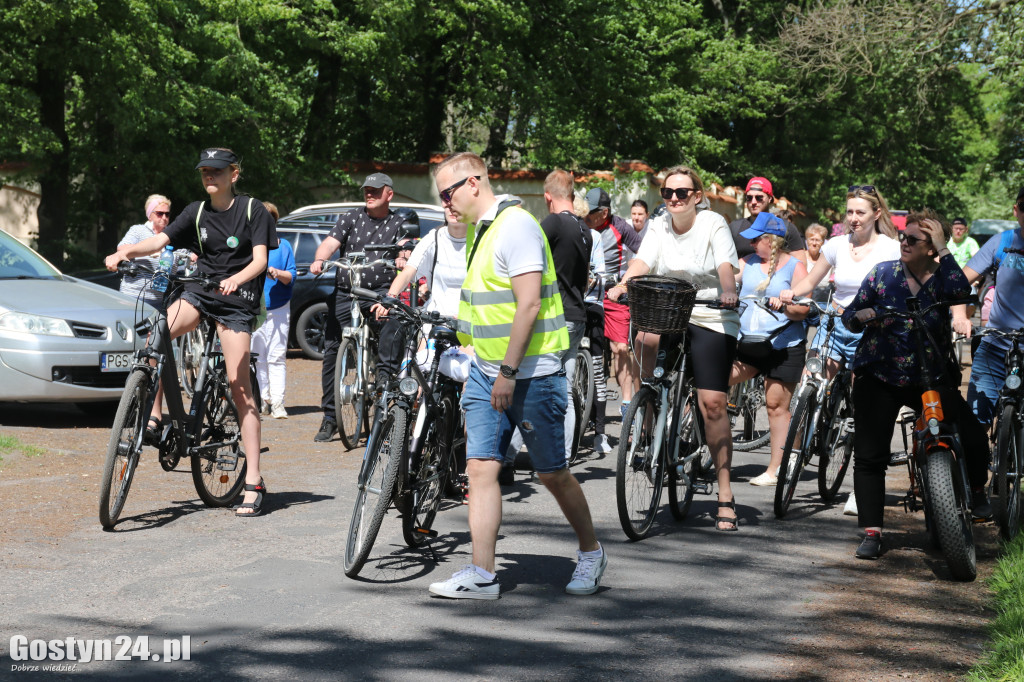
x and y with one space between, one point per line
1005 242
199 235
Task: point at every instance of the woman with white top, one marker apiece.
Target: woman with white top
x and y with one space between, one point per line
440 257
697 246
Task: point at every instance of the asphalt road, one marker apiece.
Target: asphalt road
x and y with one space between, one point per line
266 598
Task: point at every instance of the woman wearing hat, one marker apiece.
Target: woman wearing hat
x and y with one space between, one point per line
780 356
231 234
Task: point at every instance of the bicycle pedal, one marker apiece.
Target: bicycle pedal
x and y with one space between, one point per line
425 532
702 488
900 457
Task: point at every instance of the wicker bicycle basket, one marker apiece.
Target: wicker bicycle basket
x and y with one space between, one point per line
660 305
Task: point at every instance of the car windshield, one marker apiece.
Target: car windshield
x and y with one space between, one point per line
17 261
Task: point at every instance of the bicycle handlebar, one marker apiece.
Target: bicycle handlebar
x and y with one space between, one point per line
134 269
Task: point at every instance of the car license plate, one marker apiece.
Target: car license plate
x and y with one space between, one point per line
115 362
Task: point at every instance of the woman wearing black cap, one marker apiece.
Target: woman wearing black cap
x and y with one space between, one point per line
231 234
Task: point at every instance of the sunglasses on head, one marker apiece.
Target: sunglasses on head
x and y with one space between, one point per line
161 214
757 197
912 240
682 193
867 189
446 194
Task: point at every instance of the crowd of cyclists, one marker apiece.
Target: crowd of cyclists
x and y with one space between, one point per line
526 294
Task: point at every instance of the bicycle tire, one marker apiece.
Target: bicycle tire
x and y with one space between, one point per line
348 391
950 515
381 474
1009 447
834 458
680 494
797 439
190 354
124 447
577 406
584 379
750 414
218 472
432 477
638 479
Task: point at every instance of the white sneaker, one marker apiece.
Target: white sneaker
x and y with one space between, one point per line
466 583
278 411
265 408
601 444
851 506
587 576
764 479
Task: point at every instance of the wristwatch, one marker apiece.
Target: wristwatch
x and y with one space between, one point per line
508 372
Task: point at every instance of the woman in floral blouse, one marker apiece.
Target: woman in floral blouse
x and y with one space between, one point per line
886 368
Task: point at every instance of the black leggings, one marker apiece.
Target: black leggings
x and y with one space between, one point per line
876 405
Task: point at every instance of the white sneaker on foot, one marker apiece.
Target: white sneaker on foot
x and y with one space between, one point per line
278 411
851 506
764 479
466 583
587 576
265 408
601 444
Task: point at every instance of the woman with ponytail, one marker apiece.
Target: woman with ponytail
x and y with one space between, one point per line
771 344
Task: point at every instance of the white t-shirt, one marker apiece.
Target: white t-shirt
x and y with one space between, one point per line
449 273
519 249
695 257
848 273
596 294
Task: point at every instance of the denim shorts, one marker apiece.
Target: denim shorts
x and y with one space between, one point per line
538 410
844 342
988 373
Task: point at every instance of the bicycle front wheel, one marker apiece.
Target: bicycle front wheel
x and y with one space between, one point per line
748 413
583 381
1009 447
124 447
348 394
218 460
834 459
375 492
638 477
950 515
190 354
798 439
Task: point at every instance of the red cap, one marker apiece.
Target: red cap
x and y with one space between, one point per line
762 184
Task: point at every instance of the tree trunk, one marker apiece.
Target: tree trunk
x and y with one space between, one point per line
54 176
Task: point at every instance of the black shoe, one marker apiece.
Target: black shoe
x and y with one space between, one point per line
981 508
328 427
870 547
507 476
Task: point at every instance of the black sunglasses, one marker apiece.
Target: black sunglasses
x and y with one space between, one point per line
161 214
757 197
446 194
1020 205
867 189
682 193
912 240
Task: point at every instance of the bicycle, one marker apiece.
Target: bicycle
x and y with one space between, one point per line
662 440
583 379
356 362
208 434
190 351
412 453
938 476
818 400
1008 437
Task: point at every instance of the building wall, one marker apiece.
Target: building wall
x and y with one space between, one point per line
18 207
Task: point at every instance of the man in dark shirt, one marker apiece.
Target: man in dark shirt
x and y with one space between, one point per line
759 198
375 223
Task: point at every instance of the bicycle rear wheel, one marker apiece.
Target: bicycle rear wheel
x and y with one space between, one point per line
798 439
638 477
124 447
583 381
431 477
218 460
834 459
190 354
748 414
950 514
348 390
1009 452
374 495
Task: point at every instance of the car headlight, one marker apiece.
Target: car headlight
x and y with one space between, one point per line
26 323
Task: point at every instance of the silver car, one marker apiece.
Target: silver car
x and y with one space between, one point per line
61 339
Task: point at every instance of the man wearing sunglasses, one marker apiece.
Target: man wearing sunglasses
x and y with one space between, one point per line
375 223
619 240
759 198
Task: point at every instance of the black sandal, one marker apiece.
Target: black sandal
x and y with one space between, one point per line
257 505
734 520
154 431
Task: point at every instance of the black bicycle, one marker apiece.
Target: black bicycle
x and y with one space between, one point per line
416 445
208 434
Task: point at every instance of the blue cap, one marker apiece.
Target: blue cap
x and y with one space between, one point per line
765 223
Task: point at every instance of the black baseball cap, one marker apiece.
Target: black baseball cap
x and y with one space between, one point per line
216 158
598 198
376 181
962 221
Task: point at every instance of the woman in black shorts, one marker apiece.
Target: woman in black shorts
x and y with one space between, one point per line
231 234
772 346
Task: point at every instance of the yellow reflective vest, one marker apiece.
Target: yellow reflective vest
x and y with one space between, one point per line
487 304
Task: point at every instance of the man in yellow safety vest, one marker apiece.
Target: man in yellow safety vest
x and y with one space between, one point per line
511 313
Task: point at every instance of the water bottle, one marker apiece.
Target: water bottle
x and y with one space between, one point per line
163 269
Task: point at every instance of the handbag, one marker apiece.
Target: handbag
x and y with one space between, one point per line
759 346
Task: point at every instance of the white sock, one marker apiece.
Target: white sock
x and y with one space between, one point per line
594 553
484 574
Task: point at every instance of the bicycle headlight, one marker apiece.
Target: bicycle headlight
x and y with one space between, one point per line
814 365
408 386
659 372
933 426
1013 381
